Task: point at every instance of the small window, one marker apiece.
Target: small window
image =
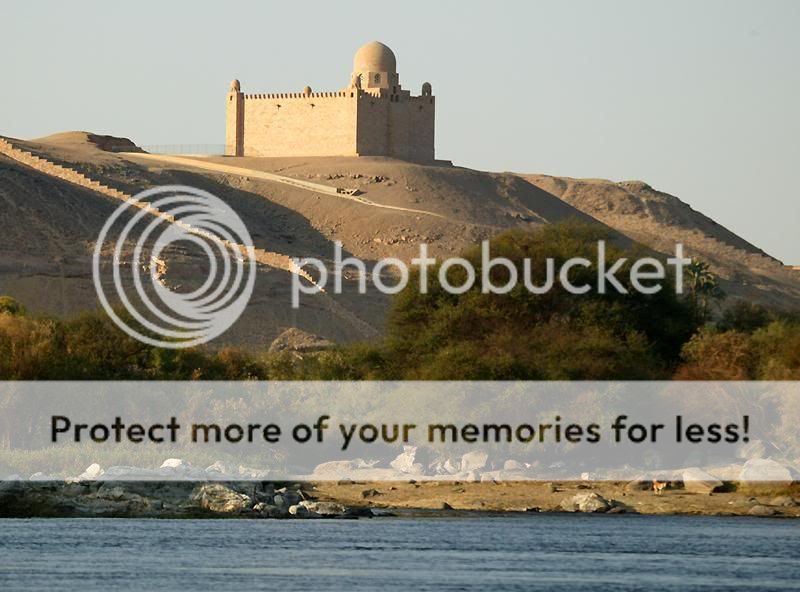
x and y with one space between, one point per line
377 79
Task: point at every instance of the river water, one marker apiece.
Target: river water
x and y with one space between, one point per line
502 552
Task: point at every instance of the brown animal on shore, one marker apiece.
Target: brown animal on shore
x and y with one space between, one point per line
659 486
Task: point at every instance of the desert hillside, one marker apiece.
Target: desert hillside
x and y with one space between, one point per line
48 225
660 220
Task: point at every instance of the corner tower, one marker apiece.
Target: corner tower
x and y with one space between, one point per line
234 121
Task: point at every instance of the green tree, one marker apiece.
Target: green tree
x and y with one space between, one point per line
704 289
522 335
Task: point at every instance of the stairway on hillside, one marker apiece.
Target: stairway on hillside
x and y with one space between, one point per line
71 175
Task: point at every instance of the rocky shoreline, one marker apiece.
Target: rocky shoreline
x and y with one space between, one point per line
347 499
167 499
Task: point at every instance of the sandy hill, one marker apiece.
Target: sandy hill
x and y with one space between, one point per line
48 226
50 268
660 220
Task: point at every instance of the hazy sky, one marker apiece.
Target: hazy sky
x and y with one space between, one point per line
700 99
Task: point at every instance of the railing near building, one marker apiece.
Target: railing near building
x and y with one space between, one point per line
208 149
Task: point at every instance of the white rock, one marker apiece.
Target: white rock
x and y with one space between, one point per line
220 498
175 463
341 469
252 473
752 449
298 510
324 508
92 472
586 502
698 481
405 461
763 469
217 467
452 466
473 461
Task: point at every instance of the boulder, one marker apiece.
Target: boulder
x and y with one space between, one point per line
452 466
175 463
290 497
763 470
698 481
270 511
405 461
762 511
726 472
785 501
324 508
301 512
219 469
342 469
297 340
473 461
218 497
641 483
92 472
590 502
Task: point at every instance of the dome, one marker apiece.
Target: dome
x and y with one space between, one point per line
375 57
235 85
306 90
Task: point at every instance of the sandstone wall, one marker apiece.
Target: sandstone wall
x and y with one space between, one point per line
344 123
402 128
319 124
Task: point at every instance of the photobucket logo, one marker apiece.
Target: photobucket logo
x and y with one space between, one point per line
145 227
646 275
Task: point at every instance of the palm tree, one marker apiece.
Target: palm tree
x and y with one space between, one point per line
703 288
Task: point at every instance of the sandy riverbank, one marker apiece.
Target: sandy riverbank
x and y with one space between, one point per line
519 496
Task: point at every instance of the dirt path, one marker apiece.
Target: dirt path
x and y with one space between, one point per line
299 183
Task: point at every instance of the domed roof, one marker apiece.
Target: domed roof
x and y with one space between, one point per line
374 57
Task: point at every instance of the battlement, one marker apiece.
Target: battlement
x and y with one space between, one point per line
313 95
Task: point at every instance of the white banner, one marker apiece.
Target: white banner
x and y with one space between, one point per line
398 430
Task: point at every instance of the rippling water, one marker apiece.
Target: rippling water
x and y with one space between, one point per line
553 552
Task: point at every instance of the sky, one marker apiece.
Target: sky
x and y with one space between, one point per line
700 99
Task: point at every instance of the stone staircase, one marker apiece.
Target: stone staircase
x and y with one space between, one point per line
70 175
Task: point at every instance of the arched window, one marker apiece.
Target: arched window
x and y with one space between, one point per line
377 79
